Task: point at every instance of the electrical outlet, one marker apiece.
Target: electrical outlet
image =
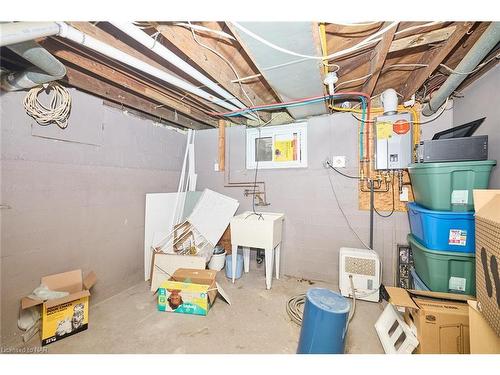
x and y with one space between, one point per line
326 163
403 197
338 161
216 167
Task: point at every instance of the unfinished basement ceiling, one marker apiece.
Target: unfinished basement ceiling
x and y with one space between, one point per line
292 77
406 58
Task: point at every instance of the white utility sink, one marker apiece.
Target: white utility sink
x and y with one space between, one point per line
261 230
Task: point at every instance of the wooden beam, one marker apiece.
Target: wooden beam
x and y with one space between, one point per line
378 60
107 91
222 145
122 79
433 58
412 41
107 38
207 62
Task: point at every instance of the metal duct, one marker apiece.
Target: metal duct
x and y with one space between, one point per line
46 67
476 54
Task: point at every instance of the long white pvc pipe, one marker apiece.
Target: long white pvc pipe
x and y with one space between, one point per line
17 32
22 31
77 36
139 35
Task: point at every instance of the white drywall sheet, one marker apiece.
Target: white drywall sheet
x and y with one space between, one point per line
212 214
159 215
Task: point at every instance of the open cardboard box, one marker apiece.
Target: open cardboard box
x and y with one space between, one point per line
483 339
190 291
439 320
163 266
487 206
66 316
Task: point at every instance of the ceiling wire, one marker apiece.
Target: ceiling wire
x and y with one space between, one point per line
429 24
355 24
230 65
418 65
329 57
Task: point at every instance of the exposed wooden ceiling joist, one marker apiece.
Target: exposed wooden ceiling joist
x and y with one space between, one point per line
107 91
113 41
378 60
428 44
208 62
420 39
126 81
433 58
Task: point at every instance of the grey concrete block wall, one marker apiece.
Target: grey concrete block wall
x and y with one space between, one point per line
480 99
315 228
78 205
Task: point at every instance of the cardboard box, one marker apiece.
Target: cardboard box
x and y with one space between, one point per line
165 265
189 291
66 316
483 339
439 320
487 206
225 240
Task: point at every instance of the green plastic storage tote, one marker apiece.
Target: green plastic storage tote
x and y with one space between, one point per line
448 186
444 271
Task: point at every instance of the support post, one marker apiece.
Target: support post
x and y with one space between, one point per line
222 145
372 206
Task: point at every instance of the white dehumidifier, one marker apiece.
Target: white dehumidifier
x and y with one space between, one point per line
364 266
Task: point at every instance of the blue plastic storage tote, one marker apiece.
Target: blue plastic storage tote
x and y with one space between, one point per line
442 230
418 284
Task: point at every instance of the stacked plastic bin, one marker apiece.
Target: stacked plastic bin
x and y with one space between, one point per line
442 235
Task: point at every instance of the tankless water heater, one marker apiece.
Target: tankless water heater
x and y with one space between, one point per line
393 141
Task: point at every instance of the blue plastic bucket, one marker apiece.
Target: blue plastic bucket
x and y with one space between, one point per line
229 266
442 230
324 323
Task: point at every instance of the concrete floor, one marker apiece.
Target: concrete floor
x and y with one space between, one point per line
255 322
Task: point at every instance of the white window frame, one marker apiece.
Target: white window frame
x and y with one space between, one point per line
273 131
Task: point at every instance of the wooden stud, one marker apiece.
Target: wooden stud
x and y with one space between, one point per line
433 58
416 40
115 94
222 145
378 60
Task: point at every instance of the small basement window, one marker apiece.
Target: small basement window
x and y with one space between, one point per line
283 146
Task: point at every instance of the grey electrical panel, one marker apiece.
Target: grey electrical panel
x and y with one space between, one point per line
393 141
